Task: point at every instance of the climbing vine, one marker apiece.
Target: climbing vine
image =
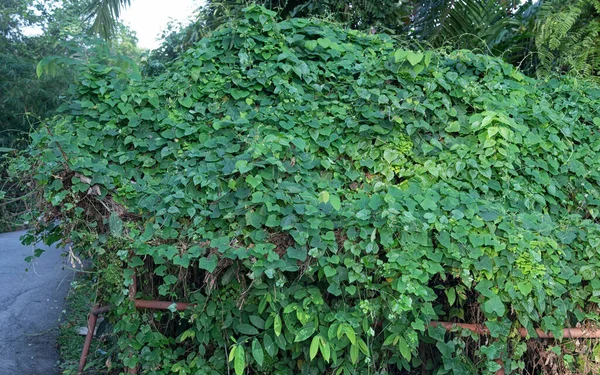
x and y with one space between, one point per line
321 195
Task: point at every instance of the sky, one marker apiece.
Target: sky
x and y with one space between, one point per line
149 17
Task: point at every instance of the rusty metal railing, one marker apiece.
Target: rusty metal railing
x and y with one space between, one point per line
479 329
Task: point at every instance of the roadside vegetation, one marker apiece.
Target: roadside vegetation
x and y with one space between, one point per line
103 352
29 32
322 195
321 192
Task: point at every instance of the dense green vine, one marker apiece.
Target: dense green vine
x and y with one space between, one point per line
322 195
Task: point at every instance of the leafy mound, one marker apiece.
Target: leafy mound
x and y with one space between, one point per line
323 195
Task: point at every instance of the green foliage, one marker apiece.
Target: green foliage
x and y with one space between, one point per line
26 99
568 38
322 195
383 15
542 38
102 354
465 23
105 15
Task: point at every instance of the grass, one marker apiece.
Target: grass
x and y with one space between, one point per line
102 355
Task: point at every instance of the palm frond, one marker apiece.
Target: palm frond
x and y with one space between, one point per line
567 37
466 23
105 14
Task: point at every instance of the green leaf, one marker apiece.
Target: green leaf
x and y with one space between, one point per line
390 155
329 271
494 305
147 114
314 347
131 362
287 125
305 332
324 42
363 347
485 288
269 345
300 143
325 349
243 166
310 45
587 272
596 121
335 202
115 225
255 219
428 56
451 295
154 102
525 287
254 181
324 197
390 340
277 325
257 352
238 94
186 102
414 57
136 262
298 253
363 214
190 333
452 76
246 329
488 215
418 68
353 354
272 221
400 55
428 204
208 263
257 321
453 127
404 349
349 332
239 363
39 69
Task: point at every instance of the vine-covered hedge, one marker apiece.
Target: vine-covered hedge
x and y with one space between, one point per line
322 195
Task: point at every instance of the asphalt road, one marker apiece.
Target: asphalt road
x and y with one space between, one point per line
31 304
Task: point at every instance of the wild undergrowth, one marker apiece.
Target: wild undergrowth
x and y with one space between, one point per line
103 352
321 195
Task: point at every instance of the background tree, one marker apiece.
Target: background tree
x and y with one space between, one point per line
567 37
104 15
23 96
31 30
61 31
